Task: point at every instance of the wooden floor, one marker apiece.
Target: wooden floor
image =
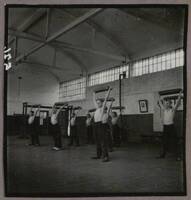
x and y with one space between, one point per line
39 171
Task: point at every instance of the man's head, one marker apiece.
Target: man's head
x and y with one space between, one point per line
99 103
73 114
114 114
54 110
168 103
88 115
31 113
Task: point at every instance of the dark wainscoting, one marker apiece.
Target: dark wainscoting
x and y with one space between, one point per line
133 125
136 125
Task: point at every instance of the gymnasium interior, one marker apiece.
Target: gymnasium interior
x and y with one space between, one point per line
64 54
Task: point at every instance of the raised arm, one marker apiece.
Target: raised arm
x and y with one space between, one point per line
109 109
106 97
94 99
160 102
91 115
74 113
31 108
178 101
105 101
52 110
37 110
58 111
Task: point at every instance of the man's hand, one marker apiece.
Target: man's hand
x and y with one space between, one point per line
161 98
109 89
112 99
181 93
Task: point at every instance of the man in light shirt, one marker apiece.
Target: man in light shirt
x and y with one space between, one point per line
98 131
74 137
34 137
115 129
169 133
105 137
55 128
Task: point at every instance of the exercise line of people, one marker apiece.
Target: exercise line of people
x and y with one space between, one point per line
97 126
100 131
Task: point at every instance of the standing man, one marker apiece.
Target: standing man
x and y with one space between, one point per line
115 129
169 132
74 137
106 133
55 128
89 130
100 106
34 137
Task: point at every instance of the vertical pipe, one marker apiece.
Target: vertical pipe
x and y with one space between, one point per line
120 105
19 87
24 108
15 47
25 119
47 22
120 92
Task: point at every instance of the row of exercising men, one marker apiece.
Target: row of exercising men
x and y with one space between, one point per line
54 128
74 137
100 126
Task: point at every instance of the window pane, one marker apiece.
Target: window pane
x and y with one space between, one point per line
157 63
73 90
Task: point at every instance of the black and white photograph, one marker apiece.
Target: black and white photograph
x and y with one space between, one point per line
95 100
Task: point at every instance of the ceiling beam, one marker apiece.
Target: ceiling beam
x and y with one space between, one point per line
66 46
24 35
54 45
108 36
48 22
40 12
67 28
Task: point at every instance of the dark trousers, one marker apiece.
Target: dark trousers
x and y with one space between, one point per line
34 135
110 138
101 139
57 137
105 140
74 137
90 139
169 140
116 135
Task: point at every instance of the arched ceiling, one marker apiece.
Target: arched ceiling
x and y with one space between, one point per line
96 42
